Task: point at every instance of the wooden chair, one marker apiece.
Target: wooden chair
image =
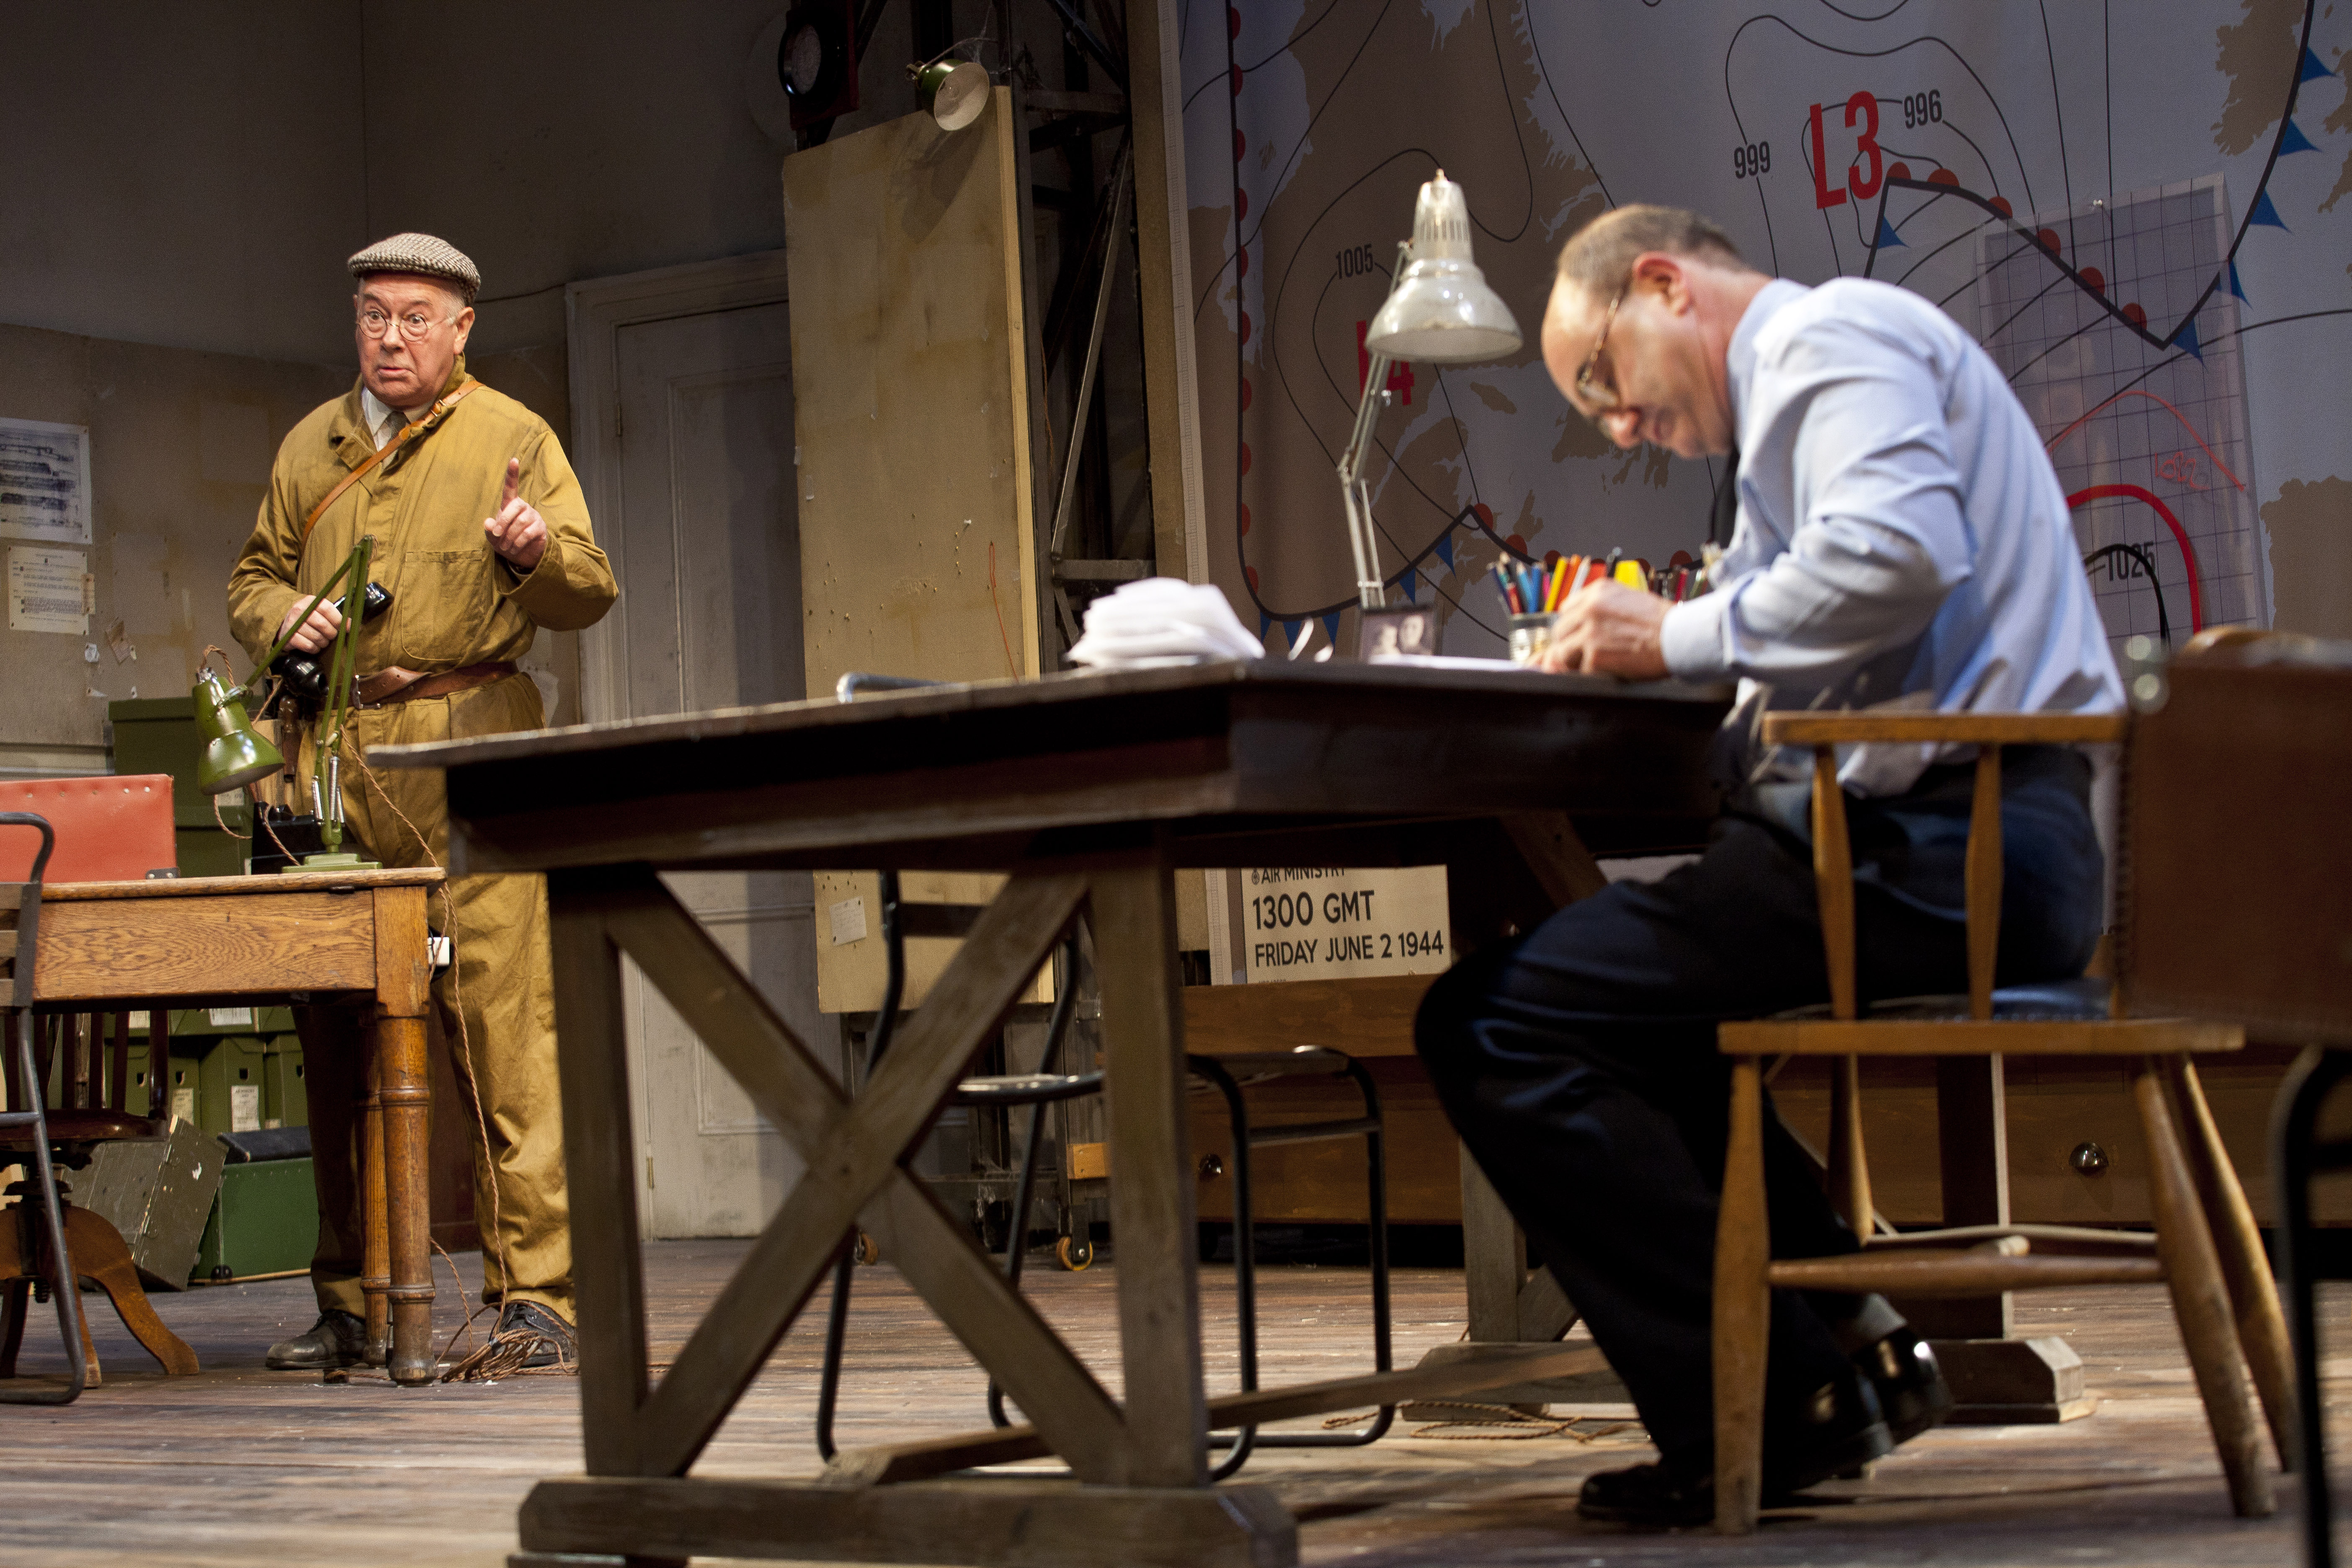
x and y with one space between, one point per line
2206 1248
82 1061
20 1242
108 828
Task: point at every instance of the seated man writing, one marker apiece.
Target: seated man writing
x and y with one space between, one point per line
1900 540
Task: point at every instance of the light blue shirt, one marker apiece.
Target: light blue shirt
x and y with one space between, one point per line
1902 540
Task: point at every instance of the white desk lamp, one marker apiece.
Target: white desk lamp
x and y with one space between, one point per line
1439 312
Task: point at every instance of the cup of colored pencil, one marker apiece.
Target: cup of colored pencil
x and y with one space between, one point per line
1534 592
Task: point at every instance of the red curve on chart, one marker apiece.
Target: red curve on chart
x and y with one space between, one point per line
2152 397
2179 534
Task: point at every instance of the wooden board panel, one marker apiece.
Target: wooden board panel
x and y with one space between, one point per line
171 946
852 974
911 419
1367 1017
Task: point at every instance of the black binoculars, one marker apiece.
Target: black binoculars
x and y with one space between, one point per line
304 677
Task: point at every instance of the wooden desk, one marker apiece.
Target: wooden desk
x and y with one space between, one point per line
200 941
1088 789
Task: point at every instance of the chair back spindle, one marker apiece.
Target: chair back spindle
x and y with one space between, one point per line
1983 879
1833 881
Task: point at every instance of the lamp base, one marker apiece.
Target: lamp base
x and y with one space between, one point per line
1411 630
341 860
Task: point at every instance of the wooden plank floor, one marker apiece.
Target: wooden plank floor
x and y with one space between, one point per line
242 1465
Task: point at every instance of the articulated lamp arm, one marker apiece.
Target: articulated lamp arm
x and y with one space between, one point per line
1354 491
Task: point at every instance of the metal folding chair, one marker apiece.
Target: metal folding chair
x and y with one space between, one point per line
20 903
1227 1076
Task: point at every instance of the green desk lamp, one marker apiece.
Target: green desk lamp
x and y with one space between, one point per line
236 756
233 755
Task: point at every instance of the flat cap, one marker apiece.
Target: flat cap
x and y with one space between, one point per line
423 253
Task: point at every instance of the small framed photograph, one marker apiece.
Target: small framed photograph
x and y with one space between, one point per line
1387 634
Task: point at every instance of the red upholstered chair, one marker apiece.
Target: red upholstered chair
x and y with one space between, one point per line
114 828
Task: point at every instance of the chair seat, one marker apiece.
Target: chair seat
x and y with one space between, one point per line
93 1126
2053 1001
1025 1088
2059 1017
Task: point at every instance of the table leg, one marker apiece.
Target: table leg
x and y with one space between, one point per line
1153 1223
399 1193
598 1156
375 1266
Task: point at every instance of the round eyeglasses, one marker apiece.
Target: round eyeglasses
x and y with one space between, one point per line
414 324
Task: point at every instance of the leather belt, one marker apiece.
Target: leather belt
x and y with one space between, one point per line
394 684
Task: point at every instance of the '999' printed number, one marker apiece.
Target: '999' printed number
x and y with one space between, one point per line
1755 158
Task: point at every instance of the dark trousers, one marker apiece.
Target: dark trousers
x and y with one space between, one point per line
1578 1062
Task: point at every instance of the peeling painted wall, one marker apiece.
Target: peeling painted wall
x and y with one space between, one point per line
180 446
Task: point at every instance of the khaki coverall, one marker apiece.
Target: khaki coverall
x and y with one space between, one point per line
454 603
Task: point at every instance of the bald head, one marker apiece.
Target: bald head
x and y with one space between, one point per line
1599 256
1641 316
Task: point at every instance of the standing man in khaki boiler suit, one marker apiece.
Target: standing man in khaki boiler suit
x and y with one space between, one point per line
482 537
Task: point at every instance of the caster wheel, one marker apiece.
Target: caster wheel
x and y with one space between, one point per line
1075 1254
223 1274
866 1249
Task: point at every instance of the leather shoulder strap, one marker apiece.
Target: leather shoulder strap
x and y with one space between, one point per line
408 432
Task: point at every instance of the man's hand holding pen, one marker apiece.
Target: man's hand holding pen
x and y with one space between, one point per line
1607 628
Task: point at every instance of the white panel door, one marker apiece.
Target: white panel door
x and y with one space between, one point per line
707 554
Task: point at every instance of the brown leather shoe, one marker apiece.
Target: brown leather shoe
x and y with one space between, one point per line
337 1339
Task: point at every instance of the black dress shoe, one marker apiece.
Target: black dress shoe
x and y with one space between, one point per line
1912 1392
1837 1429
1657 1496
549 1339
337 1339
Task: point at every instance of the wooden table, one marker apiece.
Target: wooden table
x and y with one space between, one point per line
1088 789
207 941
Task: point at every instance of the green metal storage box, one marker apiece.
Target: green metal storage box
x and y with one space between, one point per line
265 1221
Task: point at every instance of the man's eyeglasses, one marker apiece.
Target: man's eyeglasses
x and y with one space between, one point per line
1597 382
414 324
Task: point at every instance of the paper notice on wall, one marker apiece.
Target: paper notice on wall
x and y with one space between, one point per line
45 482
1326 923
847 922
49 591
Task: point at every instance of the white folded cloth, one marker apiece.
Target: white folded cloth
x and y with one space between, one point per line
1161 621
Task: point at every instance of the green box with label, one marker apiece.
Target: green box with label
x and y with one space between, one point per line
238 1082
265 1221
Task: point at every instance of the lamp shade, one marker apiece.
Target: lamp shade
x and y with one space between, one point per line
952 92
1442 311
233 755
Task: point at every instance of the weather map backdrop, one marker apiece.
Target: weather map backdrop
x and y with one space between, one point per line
2138 209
